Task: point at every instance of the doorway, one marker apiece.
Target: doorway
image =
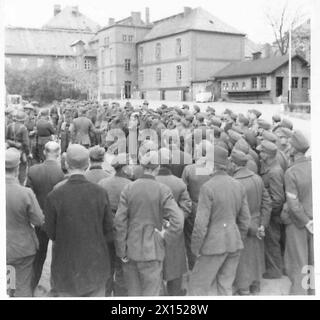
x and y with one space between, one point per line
127 89
162 95
279 86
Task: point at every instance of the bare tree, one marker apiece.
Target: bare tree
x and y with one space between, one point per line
280 24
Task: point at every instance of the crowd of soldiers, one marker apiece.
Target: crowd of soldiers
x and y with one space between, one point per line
182 202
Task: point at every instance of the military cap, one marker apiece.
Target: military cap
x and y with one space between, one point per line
299 142
178 111
263 124
189 117
234 136
77 156
196 108
28 107
266 135
284 132
216 122
285 123
268 147
217 131
276 118
150 160
12 158
237 129
227 111
20 116
257 113
239 158
242 119
217 154
96 153
211 109
250 137
185 106
233 116
200 116
145 102
120 160
242 145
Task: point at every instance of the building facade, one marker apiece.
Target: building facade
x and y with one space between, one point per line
265 80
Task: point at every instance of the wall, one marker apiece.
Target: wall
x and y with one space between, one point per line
298 70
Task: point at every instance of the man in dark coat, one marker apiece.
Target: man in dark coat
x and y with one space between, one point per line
194 176
273 178
252 263
114 186
221 225
22 211
78 220
41 179
175 262
299 225
140 235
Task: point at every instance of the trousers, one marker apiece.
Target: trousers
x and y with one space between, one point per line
214 275
23 272
143 278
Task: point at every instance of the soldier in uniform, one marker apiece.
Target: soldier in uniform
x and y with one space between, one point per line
273 178
18 137
299 251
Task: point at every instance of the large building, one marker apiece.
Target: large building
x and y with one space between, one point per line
65 41
265 80
170 59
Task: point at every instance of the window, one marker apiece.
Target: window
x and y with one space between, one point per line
130 38
87 64
127 65
141 54
141 75
24 62
158 51
244 85
227 86
236 86
254 83
178 47
102 58
294 82
232 86
179 73
111 77
263 82
39 62
158 74
124 37
305 83
8 61
111 58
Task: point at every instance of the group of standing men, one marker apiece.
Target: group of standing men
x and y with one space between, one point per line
207 206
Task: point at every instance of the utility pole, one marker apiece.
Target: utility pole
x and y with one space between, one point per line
290 66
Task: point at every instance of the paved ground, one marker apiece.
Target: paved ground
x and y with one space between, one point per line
268 287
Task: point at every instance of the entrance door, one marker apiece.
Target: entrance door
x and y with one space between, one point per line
279 86
127 89
162 95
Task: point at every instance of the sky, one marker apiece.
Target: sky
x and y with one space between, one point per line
248 16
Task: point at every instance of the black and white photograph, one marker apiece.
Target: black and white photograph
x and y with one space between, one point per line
157 149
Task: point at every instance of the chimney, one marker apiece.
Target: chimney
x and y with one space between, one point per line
147 16
56 9
186 11
136 18
111 21
256 55
75 10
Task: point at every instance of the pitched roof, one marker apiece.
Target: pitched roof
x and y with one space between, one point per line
43 42
70 18
254 67
198 19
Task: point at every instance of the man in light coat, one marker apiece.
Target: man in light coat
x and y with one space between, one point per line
140 236
221 225
22 211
